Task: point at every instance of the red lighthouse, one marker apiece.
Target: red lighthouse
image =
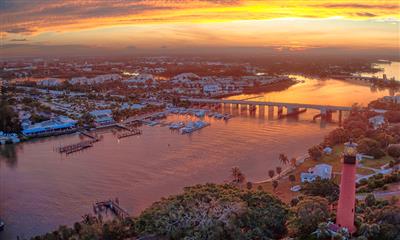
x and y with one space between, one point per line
347 198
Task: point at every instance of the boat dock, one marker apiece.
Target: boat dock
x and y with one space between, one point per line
77 146
123 126
140 118
68 149
111 205
88 135
130 132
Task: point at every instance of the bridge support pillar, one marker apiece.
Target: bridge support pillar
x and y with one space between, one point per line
280 110
271 111
340 118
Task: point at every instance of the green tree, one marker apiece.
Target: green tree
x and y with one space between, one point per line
283 158
322 187
309 213
315 152
9 120
370 147
275 185
394 150
279 170
271 173
231 213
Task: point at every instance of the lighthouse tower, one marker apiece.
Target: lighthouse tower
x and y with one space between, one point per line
345 211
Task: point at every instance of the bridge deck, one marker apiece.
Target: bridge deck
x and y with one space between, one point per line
278 104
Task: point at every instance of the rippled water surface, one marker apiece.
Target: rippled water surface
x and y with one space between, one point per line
41 189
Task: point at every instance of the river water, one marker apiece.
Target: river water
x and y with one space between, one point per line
41 189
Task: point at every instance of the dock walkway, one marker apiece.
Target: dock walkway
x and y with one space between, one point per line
111 205
71 148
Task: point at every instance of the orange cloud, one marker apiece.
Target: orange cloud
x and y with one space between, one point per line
27 17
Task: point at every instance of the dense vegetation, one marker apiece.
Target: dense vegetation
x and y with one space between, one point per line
201 212
216 212
9 121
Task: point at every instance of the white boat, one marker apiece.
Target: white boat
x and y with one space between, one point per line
200 113
218 116
176 125
295 188
227 116
193 126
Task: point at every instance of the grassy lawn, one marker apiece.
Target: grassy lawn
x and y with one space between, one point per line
377 163
364 171
334 159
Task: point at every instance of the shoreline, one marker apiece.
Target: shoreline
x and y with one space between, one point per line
299 160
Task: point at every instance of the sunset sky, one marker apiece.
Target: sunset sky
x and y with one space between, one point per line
150 24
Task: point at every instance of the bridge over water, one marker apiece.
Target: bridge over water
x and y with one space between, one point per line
325 110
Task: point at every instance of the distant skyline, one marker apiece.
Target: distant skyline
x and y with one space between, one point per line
34 27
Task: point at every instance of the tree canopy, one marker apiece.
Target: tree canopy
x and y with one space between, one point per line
215 212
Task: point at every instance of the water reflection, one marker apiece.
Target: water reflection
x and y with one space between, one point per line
8 154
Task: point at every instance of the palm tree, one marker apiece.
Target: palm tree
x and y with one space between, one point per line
237 175
293 162
274 184
279 170
249 185
292 178
271 173
283 158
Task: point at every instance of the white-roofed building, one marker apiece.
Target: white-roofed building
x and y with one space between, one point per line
141 78
53 126
95 80
212 89
49 82
323 171
377 121
185 78
102 117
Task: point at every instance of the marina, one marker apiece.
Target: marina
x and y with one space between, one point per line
45 184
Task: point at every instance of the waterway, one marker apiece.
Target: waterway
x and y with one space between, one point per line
391 69
41 189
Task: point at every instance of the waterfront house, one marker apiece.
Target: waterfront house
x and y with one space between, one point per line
54 126
377 121
323 171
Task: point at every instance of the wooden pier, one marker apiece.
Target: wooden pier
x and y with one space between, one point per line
131 132
77 146
88 135
68 149
111 205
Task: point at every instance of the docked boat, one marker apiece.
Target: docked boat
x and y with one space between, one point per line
150 123
8 138
193 126
177 125
227 116
2 225
200 113
218 116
